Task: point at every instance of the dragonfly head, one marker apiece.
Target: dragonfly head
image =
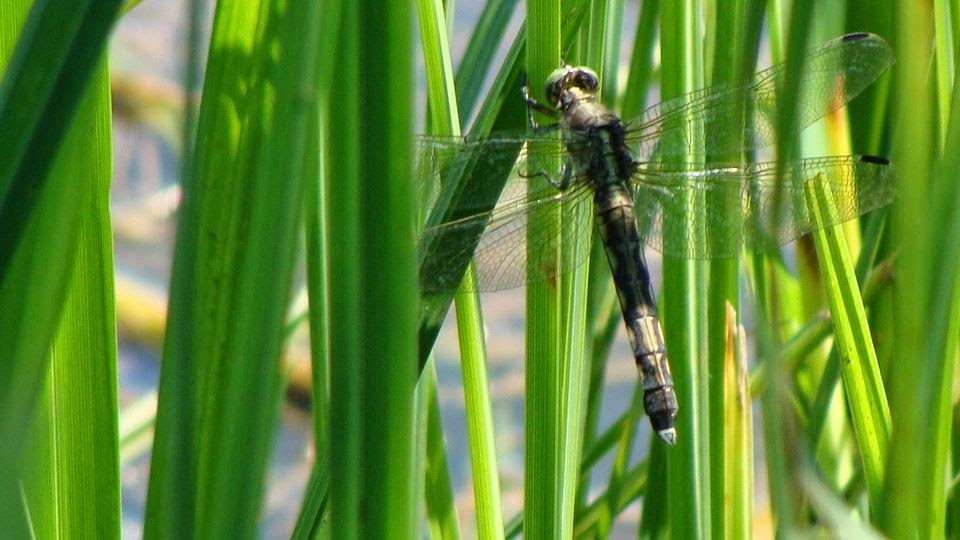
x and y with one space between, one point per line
568 84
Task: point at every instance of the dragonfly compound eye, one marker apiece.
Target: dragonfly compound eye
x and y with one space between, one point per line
556 83
586 79
567 77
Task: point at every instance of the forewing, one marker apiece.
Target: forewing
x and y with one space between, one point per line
506 238
832 75
472 173
711 213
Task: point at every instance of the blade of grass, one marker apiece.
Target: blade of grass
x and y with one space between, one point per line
738 466
861 374
235 259
445 120
484 42
313 522
74 488
939 352
944 52
45 78
683 288
347 368
914 227
388 267
737 31
441 511
780 435
544 454
316 156
40 246
575 309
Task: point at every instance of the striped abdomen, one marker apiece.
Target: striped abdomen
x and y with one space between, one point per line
618 228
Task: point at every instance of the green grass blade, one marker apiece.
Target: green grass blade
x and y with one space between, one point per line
46 251
347 369
233 270
484 42
737 36
445 120
479 408
861 373
930 411
682 308
73 488
943 341
388 267
441 512
618 471
544 453
944 40
916 232
779 435
312 521
57 51
641 61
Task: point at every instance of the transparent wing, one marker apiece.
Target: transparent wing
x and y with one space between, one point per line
832 75
443 162
712 211
501 254
478 193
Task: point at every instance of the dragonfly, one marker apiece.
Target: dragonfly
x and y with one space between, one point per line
639 183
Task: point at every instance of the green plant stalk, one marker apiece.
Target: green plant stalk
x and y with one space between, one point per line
242 382
641 60
480 429
817 329
945 51
576 369
316 234
656 498
632 485
50 249
941 345
738 455
388 260
684 287
72 477
441 511
734 61
779 425
861 373
347 369
170 505
576 310
544 459
315 505
45 78
618 471
478 57
445 120
914 228
315 502
235 267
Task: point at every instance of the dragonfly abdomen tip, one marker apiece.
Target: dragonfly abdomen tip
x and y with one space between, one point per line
668 435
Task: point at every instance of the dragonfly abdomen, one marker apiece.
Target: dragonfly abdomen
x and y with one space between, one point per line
618 228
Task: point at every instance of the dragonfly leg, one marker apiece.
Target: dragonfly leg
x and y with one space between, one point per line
566 175
533 104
